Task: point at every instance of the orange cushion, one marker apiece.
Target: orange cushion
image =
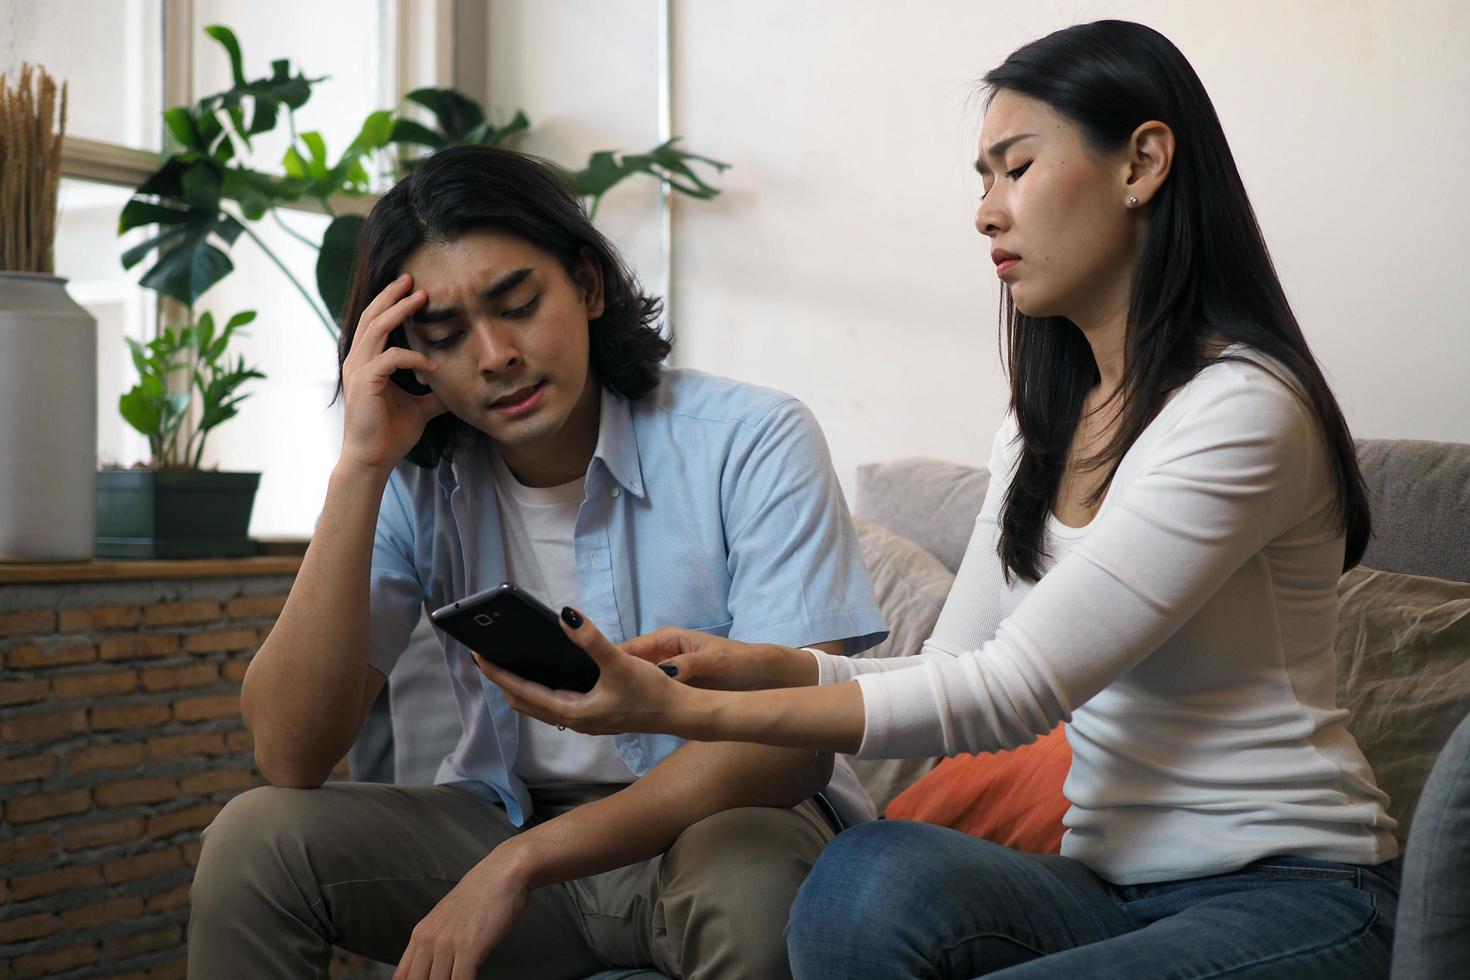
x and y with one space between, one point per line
1012 798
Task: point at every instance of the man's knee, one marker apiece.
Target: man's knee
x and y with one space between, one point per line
727 885
250 843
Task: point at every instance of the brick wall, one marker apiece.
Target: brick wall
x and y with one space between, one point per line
121 739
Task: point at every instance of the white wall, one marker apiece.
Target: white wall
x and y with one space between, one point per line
841 263
586 74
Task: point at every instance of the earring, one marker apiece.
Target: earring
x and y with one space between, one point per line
1132 201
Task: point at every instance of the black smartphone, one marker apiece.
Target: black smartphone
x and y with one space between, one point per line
511 629
403 377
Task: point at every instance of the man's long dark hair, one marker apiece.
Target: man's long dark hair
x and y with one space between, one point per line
466 188
1204 271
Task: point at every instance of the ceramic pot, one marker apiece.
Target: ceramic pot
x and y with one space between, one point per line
48 421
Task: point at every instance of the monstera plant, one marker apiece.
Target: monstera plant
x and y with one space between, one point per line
210 192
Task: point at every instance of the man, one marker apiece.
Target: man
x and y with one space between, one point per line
501 346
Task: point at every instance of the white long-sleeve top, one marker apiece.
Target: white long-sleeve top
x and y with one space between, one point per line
1186 637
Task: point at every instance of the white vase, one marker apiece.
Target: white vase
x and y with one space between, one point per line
48 421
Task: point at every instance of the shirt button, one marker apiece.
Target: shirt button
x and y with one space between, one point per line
615 491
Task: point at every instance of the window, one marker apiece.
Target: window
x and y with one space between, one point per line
87 250
110 54
124 61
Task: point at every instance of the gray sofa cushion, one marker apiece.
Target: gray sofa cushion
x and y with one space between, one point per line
1403 671
1419 493
929 502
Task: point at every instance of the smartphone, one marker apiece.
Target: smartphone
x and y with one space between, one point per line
403 377
511 629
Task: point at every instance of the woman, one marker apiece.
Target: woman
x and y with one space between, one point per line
1174 495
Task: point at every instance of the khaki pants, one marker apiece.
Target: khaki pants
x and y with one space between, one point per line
286 874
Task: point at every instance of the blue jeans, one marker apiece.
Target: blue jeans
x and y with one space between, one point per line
896 899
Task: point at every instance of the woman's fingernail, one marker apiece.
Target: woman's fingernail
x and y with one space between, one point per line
669 669
570 617
403 278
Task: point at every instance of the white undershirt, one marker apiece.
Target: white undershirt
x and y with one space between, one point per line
1186 634
539 526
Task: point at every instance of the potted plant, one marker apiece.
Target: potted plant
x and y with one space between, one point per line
205 196
187 385
48 368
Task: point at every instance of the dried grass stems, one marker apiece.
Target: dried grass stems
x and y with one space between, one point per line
32 123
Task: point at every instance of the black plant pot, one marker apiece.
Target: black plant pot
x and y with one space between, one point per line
174 513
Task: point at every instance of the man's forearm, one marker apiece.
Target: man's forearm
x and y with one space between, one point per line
303 696
697 781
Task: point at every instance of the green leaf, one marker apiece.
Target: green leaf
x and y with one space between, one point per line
187 271
213 353
263 120
137 213
256 192
334 262
226 38
455 112
239 320
295 165
180 123
211 132
237 120
139 411
518 124
408 131
140 356
376 131
137 253
317 165
666 162
166 181
203 334
202 184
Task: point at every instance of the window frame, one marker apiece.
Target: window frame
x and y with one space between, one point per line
422 36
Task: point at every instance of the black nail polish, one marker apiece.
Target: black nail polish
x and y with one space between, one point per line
669 669
570 617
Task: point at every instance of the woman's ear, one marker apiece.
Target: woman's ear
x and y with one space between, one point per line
1150 155
591 283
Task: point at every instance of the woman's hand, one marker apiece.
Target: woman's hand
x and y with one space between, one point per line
381 421
713 662
634 695
631 695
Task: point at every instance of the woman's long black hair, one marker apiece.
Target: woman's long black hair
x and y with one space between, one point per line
1204 272
465 188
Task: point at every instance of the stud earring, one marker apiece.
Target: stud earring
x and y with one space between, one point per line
1132 201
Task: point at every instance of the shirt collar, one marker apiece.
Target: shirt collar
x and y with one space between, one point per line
617 448
617 443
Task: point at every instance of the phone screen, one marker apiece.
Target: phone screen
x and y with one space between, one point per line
511 629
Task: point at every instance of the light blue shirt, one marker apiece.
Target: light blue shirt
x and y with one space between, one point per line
710 504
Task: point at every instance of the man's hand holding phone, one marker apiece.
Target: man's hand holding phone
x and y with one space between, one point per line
381 421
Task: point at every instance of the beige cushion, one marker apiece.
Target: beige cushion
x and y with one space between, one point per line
911 586
1403 659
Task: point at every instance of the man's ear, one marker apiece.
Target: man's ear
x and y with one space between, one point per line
1150 156
591 283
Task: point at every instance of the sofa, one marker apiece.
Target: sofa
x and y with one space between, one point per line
1403 645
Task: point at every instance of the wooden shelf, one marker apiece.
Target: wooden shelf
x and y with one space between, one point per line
115 571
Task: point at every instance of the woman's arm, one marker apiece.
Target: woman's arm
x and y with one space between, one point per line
1239 469
633 695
